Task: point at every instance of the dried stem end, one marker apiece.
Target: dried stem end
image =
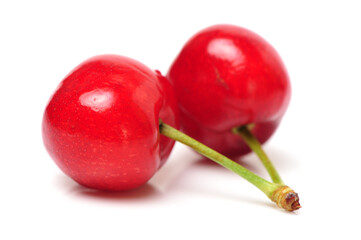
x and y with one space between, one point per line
286 198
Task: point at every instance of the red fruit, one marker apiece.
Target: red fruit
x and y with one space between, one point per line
101 124
226 77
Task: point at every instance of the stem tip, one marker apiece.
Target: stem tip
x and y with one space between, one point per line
286 198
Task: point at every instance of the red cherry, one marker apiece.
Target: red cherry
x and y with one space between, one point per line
101 125
226 77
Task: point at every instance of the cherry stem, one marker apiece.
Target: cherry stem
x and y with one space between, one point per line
256 147
282 195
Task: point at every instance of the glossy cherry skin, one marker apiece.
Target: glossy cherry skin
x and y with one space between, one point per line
101 126
227 76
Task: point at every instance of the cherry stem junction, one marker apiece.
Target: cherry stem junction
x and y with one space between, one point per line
256 147
282 195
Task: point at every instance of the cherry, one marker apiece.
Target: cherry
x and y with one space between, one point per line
233 90
229 82
102 127
101 124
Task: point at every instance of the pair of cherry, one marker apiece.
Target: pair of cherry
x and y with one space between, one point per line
112 122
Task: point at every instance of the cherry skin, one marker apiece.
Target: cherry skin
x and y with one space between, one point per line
101 124
226 77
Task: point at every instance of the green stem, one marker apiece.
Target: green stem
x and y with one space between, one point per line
256 147
283 196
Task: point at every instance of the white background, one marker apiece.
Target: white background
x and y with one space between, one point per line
316 148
